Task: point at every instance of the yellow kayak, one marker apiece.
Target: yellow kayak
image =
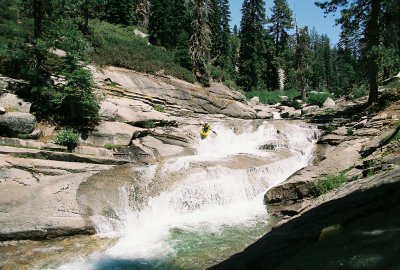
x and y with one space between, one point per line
204 133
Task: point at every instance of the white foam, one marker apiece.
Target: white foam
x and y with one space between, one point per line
207 198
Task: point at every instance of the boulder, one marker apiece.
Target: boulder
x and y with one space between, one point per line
14 123
112 133
225 92
284 98
139 33
160 148
287 111
238 110
14 103
13 85
309 110
264 114
254 101
290 112
329 103
2 110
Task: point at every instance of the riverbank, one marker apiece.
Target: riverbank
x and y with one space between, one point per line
339 212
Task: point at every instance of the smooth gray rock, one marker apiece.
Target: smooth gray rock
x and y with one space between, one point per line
329 103
309 109
33 209
254 101
113 133
129 111
14 123
217 99
284 98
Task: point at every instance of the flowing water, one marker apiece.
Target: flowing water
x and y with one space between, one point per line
193 211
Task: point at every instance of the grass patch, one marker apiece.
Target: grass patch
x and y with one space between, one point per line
396 137
317 98
119 46
111 146
327 184
360 91
271 97
395 84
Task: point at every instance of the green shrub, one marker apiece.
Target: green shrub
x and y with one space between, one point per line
271 97
72 102
149 124
68 138
159 108
317 98
360 91
327 183
350 132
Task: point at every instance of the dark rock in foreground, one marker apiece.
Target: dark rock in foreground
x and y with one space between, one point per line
359 229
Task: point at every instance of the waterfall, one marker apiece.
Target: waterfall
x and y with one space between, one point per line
221 186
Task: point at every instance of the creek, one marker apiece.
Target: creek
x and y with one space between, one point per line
188 212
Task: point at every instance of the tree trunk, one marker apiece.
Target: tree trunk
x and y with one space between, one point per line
373 42
38 30
86 17
37 17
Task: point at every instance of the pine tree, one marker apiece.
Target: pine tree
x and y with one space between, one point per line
120 12
168 18
281 21
302 60
226 48
200 41
214 20
252 48
362 15
182 55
